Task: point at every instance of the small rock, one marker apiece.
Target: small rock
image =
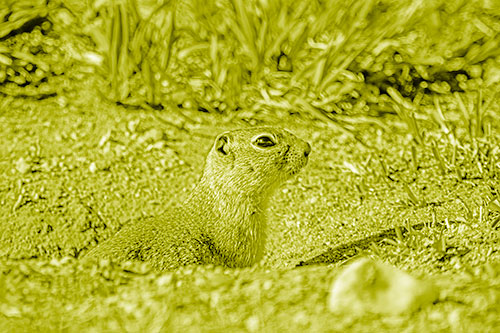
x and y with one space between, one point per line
62 101
22 166
93 167
105 138
152 135
164 280
157 145
252 323
369 286
10 311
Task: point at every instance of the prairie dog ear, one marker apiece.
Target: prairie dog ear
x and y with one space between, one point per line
222 144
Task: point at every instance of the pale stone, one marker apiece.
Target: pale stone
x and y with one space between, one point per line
369 286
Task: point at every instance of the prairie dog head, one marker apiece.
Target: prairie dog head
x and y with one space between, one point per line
254 160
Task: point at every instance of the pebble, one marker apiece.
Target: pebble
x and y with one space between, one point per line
22 166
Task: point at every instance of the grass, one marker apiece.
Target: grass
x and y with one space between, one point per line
338 56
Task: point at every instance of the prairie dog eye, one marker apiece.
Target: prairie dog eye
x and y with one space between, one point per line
264 141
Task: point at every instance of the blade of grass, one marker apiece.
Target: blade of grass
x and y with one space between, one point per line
123 54
479 114
414 158
405 111
244 31
411 196
399 234
439 158
467 208
438 116
114 47
465 113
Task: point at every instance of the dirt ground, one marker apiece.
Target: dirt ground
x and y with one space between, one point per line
72 173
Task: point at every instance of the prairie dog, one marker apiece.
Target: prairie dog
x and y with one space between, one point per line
223 220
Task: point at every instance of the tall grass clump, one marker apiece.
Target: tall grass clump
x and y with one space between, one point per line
322 57
239 45
136 50
291 48
343 31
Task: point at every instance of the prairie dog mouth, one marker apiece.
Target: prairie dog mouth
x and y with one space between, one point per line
286 151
